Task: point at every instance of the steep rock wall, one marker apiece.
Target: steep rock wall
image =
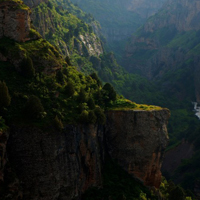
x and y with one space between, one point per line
14 21
56 165
62 165
137 140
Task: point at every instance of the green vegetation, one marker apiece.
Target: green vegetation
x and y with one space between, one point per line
5 96
2 124
114 17
19 4
118 184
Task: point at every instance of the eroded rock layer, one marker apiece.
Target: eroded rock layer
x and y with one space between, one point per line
137 140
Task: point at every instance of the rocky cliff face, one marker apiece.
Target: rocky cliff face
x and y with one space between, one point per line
14 21
56 165
137 140
73 36
62 165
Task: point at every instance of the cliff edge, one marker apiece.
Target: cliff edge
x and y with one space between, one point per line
137 140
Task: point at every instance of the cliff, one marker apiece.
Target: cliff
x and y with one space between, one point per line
14 21
75 36
137 140
56 165
42 156
62 165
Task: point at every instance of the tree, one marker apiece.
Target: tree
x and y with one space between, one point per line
27 68
33 107
82 97
109 93
58 123
91 103
5 98
69 89
92 117
83 118
59 76
95 77
101 118
67 59
177 194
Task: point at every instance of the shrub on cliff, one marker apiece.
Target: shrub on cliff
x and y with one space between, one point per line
95 77
92 117
91 103
4 95
101 118
109 93
27 68
58 123
69 89
34 108
82 97
177 194
83 118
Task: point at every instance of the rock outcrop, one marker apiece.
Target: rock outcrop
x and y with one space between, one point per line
56 165
137 140
14 21
62 165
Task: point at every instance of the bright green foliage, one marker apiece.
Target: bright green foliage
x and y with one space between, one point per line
5 98
27 68
101 118
33 108
58 123
95 77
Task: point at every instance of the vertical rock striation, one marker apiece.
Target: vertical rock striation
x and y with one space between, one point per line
62 165
137 140
56 165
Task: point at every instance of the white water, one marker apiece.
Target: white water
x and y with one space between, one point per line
196 109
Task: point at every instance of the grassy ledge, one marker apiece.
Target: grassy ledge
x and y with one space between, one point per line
125 104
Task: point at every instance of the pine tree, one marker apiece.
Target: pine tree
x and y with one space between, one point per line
110 92
27 68
92 117
58 123
33 107
91 103
4 95
95 77
82 97
101 118
69 89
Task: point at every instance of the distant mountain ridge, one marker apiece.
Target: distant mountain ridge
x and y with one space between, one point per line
119 19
